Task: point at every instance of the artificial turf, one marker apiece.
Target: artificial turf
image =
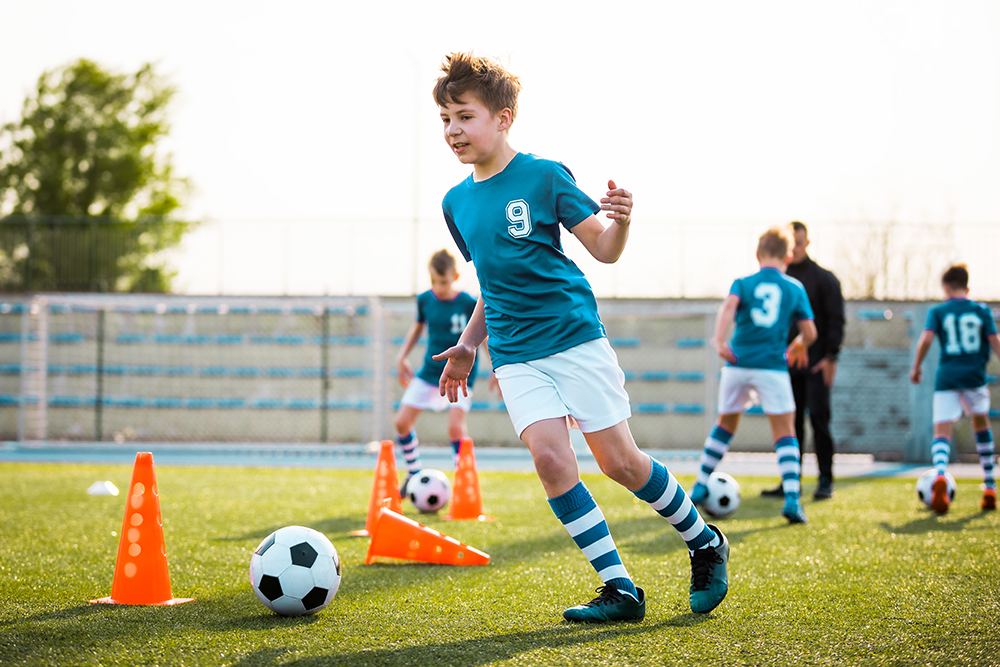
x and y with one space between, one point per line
873 578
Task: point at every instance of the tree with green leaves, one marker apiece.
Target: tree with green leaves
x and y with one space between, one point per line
87 201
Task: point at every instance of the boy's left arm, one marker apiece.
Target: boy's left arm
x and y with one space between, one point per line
607 243
994 340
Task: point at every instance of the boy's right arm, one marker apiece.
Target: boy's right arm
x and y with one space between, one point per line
923 346
724 320
460 358
404 371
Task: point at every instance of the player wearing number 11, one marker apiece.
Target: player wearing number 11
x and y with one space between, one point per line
966 332
763 306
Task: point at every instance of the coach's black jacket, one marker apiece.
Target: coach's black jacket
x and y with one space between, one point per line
827 303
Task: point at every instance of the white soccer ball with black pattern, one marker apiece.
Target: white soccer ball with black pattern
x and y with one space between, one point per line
723 495
429 490
926 481
295 571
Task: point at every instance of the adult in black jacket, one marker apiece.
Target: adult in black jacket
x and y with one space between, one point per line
811 385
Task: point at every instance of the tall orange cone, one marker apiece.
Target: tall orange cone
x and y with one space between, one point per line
385 486
395 536
141 575
466 500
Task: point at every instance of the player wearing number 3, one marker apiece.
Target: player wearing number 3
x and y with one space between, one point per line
547 343
763 306
444 311
966 332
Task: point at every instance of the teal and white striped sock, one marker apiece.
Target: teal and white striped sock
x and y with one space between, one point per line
585 523
984 445
789 465
716 446
940 451
411 451
455 446
666 496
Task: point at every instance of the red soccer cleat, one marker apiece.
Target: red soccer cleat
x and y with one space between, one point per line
989 501
939 495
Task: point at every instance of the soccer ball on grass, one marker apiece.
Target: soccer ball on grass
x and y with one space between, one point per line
926 481
723 495
295 571
429 490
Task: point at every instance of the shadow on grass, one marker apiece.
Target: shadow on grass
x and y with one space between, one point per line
485 650
331 526
935 522
60 614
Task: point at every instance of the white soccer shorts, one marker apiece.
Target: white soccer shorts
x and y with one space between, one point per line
740 388
583 381
949 404
423 395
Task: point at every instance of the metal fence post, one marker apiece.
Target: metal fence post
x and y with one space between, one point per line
378 365
99 401
22 403
324 393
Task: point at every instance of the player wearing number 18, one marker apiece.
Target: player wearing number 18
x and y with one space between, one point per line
966 332
444 312
763 306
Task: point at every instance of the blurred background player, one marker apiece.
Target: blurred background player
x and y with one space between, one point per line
547 342
812 383
444 312
965 331
763 306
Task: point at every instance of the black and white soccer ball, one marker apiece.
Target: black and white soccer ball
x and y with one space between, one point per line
429 490
295 571
723 495
926 481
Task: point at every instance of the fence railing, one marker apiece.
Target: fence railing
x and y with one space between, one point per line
170 368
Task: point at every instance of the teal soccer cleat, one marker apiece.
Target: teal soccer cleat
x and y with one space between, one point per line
709 575
609 605
793 510
698 493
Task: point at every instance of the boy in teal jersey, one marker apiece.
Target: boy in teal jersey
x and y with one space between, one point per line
547 343
444 312
763 307
966 332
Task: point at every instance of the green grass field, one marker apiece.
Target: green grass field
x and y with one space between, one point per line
873 578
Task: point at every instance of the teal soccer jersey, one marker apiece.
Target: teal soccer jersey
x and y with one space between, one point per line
538 302
961 327
769 302
445 321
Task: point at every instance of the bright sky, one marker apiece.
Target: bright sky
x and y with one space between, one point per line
730 111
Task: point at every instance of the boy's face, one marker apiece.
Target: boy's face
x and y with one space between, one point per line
471 131
441 284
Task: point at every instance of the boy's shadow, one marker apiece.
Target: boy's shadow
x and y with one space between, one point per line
934 522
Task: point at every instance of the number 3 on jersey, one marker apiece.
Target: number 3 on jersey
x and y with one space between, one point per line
967 338
519 217
767 314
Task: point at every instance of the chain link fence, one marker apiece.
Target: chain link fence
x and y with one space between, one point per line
252 369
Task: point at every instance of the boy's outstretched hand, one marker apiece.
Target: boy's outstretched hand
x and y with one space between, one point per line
797 355
618 204
456 372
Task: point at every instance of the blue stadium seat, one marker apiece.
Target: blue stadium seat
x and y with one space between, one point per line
689 376
652 408
655 376
129 339
689 408
231 403
688 343
303 404
625 342
13 369
349 372
874 314
201 403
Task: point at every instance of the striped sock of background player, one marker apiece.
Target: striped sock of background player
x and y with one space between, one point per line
455 444
716 446
666 496
984 445
789 465
585 522
940 451
411 451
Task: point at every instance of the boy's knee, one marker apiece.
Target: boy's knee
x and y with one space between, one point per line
628 472
403 425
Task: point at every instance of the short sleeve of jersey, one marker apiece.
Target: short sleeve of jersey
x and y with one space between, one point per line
932 320
737 288
989 326
572 205
421 315
455 234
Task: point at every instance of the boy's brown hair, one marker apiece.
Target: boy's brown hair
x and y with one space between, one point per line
775 242
485 78
956 277
442 262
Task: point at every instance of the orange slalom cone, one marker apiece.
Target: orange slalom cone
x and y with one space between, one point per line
385 486
466 500
395 536
141 575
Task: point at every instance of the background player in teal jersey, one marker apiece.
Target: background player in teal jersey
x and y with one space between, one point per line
966 332
444 312
547 343
763 306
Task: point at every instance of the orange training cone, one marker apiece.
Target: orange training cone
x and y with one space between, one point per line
141 575
386 485
395 536
466 501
